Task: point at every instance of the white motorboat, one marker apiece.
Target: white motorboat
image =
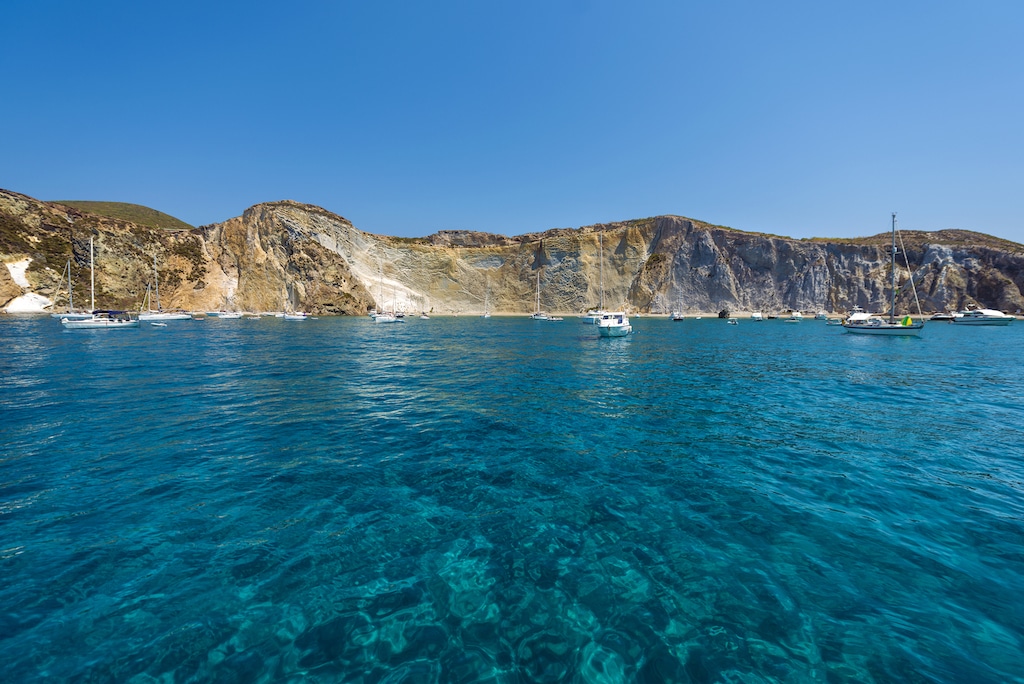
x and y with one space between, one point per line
296 316
982 317
613 324
757 316
870 324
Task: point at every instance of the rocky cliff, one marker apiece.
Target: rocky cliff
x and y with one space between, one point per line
286 255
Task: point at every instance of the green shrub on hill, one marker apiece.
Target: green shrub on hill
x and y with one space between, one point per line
143 216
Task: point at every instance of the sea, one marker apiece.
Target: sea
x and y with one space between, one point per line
463 499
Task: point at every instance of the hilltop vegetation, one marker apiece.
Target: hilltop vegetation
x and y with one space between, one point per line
135 213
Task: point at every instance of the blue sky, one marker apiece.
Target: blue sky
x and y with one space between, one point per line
794 118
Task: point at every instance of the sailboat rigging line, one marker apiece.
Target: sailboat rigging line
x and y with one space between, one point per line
906 260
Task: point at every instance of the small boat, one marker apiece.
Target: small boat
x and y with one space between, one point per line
678 316
599 316
614 324
102 318
157 324
70 313
487 299
733 321
296 316
795 317
539 315
424 316
870 324
982 317
756 316
159 314
554 319
383 316
942 316
821 316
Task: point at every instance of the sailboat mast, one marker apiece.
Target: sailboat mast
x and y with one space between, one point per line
538 289
156 283
600 241
892 310
92 277
380 281
71 294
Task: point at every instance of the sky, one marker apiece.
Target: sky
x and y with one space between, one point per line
796 118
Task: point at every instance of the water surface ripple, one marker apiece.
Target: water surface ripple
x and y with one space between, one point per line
504 500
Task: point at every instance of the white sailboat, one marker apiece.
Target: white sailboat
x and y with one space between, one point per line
592 316
487 299
70 313
537 314
610 323
158 314
873 324
105 319
382 316
102 319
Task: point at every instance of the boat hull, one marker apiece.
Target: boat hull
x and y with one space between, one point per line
160 316
983 321
896 330
615 331
98 324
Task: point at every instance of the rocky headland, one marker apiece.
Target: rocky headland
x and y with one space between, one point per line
290 256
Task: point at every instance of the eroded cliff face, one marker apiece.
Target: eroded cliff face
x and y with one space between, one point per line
286 255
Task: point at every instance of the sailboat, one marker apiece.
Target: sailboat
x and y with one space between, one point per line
487 297
610 323
99 318
383 316
873 324
592 316
70 313
537 314
159 314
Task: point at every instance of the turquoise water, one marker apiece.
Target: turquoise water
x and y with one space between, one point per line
503 500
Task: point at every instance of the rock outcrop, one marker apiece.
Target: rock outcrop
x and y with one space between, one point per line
286 255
